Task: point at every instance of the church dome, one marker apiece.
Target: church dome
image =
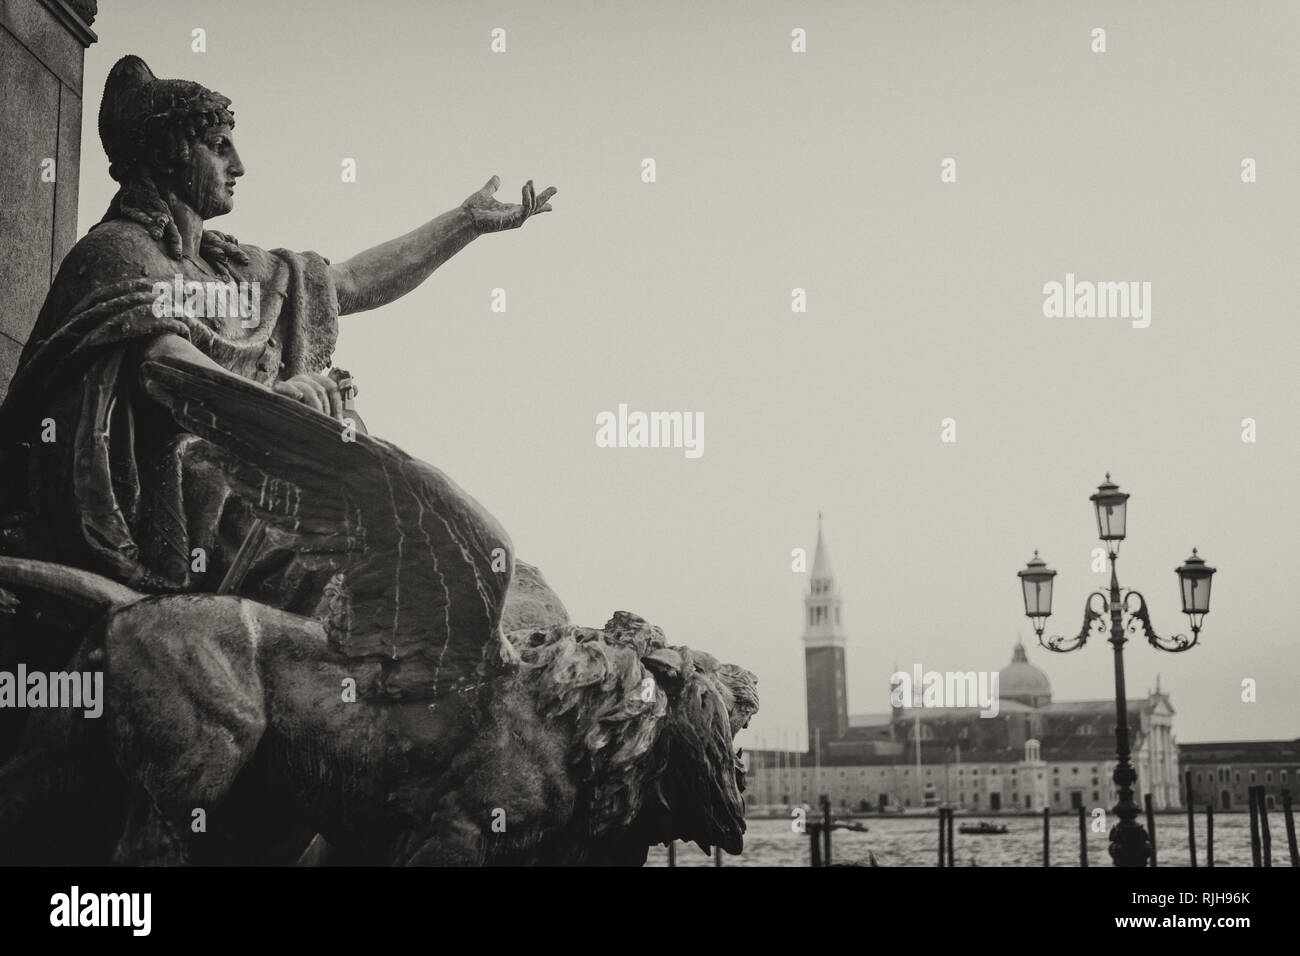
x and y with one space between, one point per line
1022 681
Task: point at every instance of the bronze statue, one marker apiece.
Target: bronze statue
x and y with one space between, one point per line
303 630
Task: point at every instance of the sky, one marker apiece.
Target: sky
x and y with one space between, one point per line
820 171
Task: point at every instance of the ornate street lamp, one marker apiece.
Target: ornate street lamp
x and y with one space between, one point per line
1036 580
1129 845
1194 577
1112 507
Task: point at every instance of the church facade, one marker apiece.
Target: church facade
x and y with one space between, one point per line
1034 753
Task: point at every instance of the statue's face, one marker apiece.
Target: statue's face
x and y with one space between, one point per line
209 183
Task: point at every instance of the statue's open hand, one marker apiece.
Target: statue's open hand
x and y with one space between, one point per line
315 391
492 216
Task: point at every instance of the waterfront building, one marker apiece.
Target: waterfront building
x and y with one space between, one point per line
1034 753
1222 773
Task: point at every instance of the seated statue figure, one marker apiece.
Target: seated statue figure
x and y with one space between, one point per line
307 636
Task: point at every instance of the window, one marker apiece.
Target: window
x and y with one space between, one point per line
1074 770
1040 776
961 798
994 770
1086 730
1238 778
961 773
975 772
1095 781
1198 778
1252 776
1096 795
927 773
1015 797
1013 771
1283 775
1268 776
1056 797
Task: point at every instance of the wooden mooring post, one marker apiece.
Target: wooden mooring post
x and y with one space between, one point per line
826 830
1290 827
1265 837
1083 836
815 844
1047 836
950 843
943 831
1255 859
1209 835
1191 820
1151 826
672 853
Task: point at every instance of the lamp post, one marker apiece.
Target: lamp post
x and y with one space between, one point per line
1128 613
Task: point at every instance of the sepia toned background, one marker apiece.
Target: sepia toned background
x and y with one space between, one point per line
818 171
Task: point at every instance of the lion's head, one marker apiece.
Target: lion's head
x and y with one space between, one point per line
651 730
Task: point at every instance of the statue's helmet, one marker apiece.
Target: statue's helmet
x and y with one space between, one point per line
141 114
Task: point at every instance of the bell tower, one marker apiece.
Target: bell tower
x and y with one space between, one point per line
823 641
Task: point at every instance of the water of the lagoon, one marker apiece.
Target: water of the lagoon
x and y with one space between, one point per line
914 841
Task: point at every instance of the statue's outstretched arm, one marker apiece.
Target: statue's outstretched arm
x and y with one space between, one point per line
391 269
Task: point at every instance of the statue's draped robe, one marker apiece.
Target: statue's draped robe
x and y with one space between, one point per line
156 480
95 475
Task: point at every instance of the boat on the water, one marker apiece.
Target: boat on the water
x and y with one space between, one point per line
855 826
982 828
